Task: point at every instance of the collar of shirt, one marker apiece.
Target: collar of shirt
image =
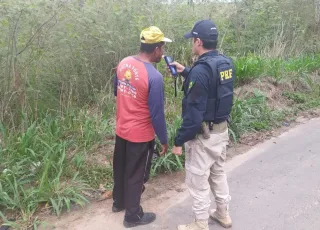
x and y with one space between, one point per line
210 53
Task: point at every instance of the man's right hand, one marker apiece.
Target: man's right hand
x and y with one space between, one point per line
178 66
164 149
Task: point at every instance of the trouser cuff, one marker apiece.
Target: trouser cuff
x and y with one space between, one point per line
133 217
202 216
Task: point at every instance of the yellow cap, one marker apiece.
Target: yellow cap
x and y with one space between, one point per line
153 35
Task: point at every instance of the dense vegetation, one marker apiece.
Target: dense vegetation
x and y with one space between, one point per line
57 60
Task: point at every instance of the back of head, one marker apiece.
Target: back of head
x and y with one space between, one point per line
209 45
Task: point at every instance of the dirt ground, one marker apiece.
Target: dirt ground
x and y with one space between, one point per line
158 196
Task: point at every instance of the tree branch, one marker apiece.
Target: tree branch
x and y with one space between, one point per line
37 32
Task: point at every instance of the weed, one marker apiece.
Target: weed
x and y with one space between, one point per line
251 114
295 96
56 99
248 68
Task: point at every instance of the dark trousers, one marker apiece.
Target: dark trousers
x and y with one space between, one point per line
131 169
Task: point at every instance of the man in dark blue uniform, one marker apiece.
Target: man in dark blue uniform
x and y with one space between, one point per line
206 107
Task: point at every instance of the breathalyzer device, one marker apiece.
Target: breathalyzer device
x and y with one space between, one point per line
173 71
172 68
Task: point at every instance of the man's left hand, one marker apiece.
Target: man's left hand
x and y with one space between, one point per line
177 150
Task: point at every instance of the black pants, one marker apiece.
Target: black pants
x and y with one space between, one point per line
131 169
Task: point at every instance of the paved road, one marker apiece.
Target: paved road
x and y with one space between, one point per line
275 186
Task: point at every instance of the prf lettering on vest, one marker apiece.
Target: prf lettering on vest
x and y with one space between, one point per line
225 75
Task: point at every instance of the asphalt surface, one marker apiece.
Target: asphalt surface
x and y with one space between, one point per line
274 186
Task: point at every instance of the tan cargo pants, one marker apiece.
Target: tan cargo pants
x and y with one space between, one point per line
205 161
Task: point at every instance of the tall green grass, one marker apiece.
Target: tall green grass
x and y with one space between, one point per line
251 114
251 67
57 60
47 164
56 55
41 166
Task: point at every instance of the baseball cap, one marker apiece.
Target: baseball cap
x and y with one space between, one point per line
204 29
152 35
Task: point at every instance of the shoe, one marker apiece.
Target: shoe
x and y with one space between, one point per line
147 218
115 209
221 215
197 225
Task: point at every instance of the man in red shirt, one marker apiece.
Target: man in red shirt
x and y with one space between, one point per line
140 116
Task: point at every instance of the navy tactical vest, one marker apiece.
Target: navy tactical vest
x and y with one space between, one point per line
220 98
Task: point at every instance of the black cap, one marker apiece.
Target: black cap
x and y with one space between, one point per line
204 29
